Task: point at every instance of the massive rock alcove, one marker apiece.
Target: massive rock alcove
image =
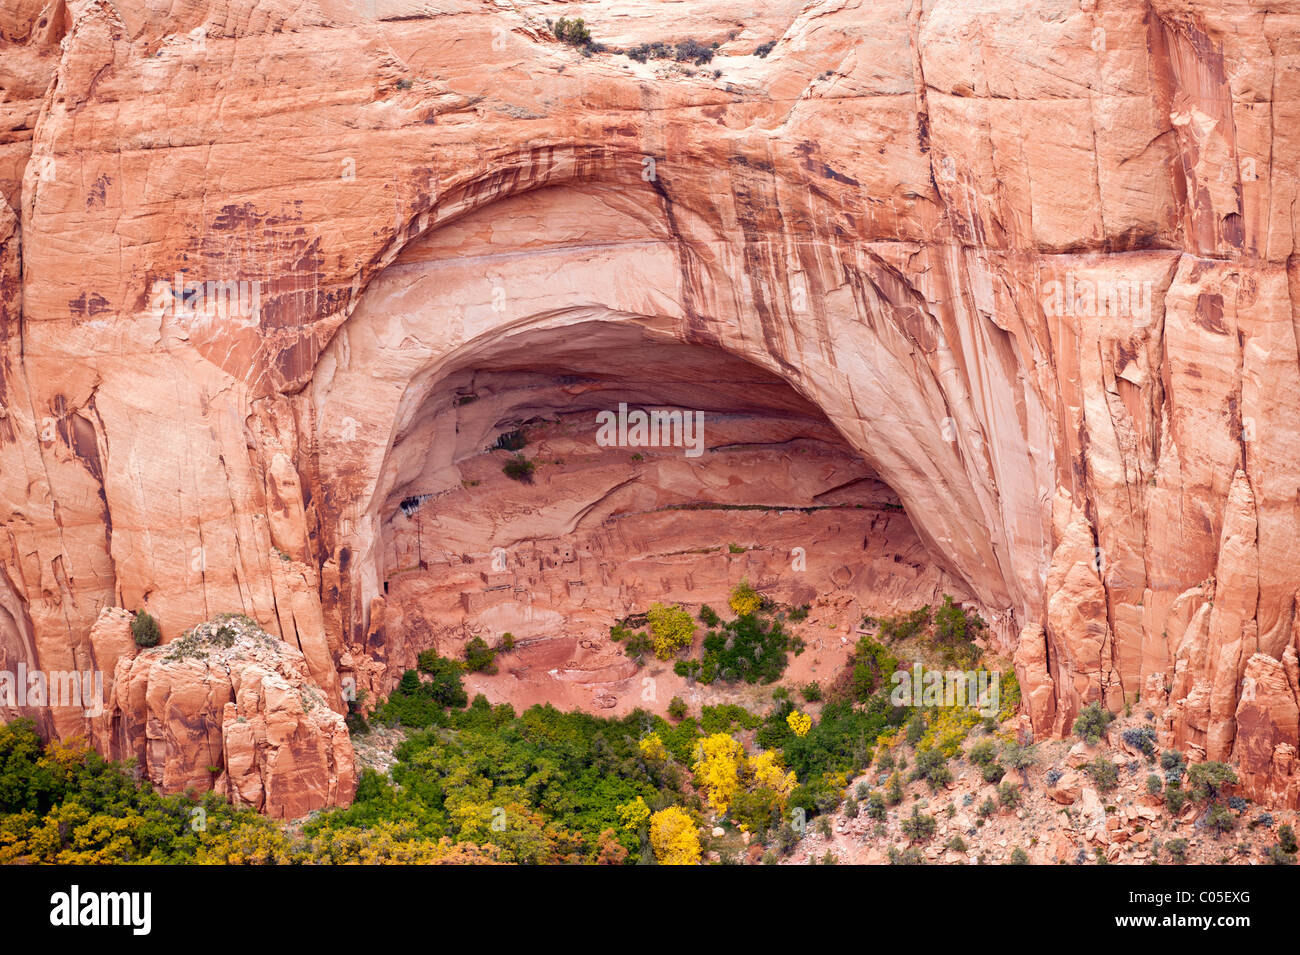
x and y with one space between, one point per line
566 301
748 482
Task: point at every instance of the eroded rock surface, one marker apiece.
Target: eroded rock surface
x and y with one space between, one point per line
230 708
1034 264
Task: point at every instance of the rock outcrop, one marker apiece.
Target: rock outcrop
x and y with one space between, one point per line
230 708
268 270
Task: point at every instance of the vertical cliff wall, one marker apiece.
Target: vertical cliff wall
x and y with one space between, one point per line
1032 262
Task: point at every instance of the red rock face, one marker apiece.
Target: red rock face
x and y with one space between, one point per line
231 708
1030 267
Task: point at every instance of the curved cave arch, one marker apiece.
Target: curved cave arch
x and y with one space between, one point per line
866 352
756 485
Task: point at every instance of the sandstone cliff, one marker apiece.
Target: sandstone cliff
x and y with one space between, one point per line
1031 262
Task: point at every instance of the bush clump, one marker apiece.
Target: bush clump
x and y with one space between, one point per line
145 630
672 629
745 599
519 468
685 51
1141 738
1207 780
933 768
1104 773
573 32
1091 722
479 657
919 826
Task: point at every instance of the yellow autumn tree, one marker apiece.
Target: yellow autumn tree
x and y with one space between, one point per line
745 599
671 629
673 837
632 815
719 765
799 723
652 748
770 774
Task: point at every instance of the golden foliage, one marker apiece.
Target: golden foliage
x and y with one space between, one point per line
673 837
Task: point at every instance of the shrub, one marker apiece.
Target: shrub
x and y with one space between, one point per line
671 628
894 790
1053 776
1019 757
876 806
750 648
954 633
1091 722
1174 765
638 644
1220 820
1177 850
786 839
919 826
145 629
812 692
479 657
933 768
1279 856
905 626
1104 773
992 772
1154 786
708 616
764 49
1286 838
690 51
1009 795
677 708
982 753
851 808
1141 738
745 599
987 808
419 704
573 32
507 642
1018 857
956 844
915 728
872 668
1206 780
1175 797
519 468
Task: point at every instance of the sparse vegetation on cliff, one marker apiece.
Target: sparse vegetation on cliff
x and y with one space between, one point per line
145 630
519 468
